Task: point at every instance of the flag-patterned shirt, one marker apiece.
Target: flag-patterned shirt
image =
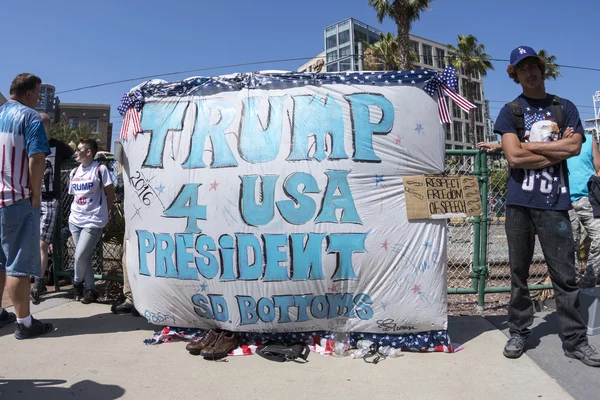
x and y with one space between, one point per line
546 188
22 135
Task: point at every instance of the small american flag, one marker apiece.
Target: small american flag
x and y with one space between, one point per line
131 119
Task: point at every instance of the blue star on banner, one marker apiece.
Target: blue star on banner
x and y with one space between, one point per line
378 179
419 128
203 287
160 188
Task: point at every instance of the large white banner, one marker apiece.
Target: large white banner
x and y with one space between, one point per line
282 210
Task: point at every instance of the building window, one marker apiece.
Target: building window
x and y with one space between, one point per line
74 122
479 113
464 87
427 54
415 46
448 131
448 146
455 110
330 38
458 133
479 132
93 123
440 58
345 51
346 65
344 36
477 87
360 35
332 67
331 56
373 37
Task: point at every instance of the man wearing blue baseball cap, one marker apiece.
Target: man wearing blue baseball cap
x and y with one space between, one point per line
539 133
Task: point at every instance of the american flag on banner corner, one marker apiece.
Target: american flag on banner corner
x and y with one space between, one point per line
130 120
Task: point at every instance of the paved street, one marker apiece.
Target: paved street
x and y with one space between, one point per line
94 354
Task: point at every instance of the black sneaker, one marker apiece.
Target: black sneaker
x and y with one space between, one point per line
586 354
37 328
90 296
7 318
34 294
77 291
122 308
515 347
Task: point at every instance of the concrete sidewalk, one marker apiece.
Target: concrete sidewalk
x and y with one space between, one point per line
94 354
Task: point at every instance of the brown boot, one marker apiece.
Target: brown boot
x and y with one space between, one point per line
220 347
196 347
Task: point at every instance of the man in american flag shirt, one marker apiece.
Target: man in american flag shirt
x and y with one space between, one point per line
23 147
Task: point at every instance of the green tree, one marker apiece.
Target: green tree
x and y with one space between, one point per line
552 68
68 134
383 55
404 13
470 57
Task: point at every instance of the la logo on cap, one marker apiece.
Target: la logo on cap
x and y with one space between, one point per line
522 50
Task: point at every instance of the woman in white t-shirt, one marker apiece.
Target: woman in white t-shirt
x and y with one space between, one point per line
94 193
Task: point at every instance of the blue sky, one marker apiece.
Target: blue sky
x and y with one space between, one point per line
72 44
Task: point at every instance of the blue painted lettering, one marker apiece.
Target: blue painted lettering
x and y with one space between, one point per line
316 115
274 271
345 244
301 208
249 271
337 180
362 127
253 213
160 118
260 141
222 156
307 259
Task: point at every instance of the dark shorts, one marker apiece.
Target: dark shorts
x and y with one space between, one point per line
48 213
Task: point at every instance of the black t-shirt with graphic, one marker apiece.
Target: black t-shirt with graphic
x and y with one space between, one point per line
59 151
546 188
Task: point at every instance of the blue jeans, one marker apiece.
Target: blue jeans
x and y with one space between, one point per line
19 239
556 239
85 240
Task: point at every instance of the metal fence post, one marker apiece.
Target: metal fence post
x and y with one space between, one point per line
483 269
476 234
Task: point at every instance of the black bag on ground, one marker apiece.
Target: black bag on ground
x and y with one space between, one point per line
281 352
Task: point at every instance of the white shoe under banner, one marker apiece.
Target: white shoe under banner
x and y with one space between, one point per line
273 204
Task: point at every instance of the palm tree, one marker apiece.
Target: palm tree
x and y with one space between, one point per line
403 12
552 69
470 56
66 133
383 55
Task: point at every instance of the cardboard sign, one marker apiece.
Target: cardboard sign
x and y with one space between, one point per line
441 196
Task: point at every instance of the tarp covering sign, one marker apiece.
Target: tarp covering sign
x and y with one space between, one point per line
274 203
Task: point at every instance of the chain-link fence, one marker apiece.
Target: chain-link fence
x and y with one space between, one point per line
460 231
477 247
109 252
497 246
